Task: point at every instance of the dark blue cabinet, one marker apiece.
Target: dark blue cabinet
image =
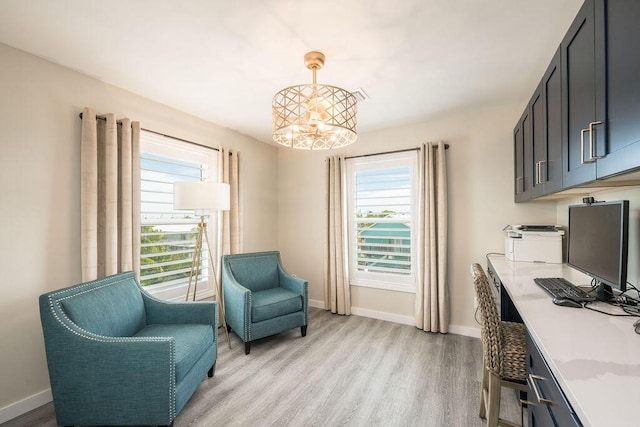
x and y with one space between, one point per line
583 96
621 148
522 149
545 110
582 120
537 139
547 405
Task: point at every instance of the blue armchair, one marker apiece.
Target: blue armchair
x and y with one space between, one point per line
118 356
261 298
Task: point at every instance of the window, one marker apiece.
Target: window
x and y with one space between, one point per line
381 209
168 236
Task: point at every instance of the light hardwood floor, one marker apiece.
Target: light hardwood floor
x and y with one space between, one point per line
347 371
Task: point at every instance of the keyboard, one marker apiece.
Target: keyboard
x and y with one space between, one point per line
560 288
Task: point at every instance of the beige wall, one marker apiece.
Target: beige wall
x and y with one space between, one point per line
40 206
480 171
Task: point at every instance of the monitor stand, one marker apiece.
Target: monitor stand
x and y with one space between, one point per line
603 292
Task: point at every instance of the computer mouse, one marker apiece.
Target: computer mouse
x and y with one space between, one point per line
567 302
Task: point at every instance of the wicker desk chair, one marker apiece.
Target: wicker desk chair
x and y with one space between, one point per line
505 352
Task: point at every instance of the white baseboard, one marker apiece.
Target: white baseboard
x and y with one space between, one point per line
365 312
25 405
399 318
382 315
316 303
409 320
465 330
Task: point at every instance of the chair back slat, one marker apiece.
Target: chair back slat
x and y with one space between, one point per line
490 328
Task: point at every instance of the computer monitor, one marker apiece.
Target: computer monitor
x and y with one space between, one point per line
598 244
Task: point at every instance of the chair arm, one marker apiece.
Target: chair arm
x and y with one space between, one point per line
296 285
237 305
293 284
165 312
135 375
139 374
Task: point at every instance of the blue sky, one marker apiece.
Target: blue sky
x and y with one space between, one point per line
383 189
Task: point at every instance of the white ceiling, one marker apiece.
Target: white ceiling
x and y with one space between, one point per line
223 60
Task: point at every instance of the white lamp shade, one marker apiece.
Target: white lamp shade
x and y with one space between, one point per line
201 196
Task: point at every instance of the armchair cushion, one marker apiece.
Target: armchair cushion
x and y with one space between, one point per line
191 343
274 302
255 273
113 310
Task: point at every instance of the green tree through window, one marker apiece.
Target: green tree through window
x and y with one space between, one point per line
166 252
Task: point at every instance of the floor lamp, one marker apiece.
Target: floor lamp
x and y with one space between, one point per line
204 198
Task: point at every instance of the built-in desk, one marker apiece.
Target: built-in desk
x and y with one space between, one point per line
595 358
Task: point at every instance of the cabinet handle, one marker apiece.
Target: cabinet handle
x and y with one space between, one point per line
582 160
591 145
534 387
518 181
542 181
537 180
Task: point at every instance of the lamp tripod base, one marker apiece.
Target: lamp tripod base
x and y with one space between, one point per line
195 270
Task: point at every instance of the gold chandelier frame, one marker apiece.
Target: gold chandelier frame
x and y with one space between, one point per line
314 116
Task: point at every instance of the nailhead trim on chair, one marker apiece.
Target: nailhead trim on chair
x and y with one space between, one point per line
172 380
104 339
247 319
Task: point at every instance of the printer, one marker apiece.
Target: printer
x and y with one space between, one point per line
533 243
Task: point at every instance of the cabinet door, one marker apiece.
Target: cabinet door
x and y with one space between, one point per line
546 131
518 165
551 171
582 96
523 161
540 417
538 143
623 89
553 409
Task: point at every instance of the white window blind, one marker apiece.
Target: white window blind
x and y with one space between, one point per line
381 210
168 236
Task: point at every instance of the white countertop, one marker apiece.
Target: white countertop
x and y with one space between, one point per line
594 357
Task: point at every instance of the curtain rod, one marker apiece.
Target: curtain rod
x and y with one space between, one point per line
446 147
159 133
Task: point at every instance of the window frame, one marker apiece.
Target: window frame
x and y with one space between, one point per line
175 148
387 281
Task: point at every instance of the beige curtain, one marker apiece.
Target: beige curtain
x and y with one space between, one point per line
231 219
432 295
337 297
110 195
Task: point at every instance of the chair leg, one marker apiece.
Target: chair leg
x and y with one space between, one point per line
247 347
484 390
303 330
212 370
493 401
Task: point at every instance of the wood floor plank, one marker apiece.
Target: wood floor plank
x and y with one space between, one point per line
347 371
